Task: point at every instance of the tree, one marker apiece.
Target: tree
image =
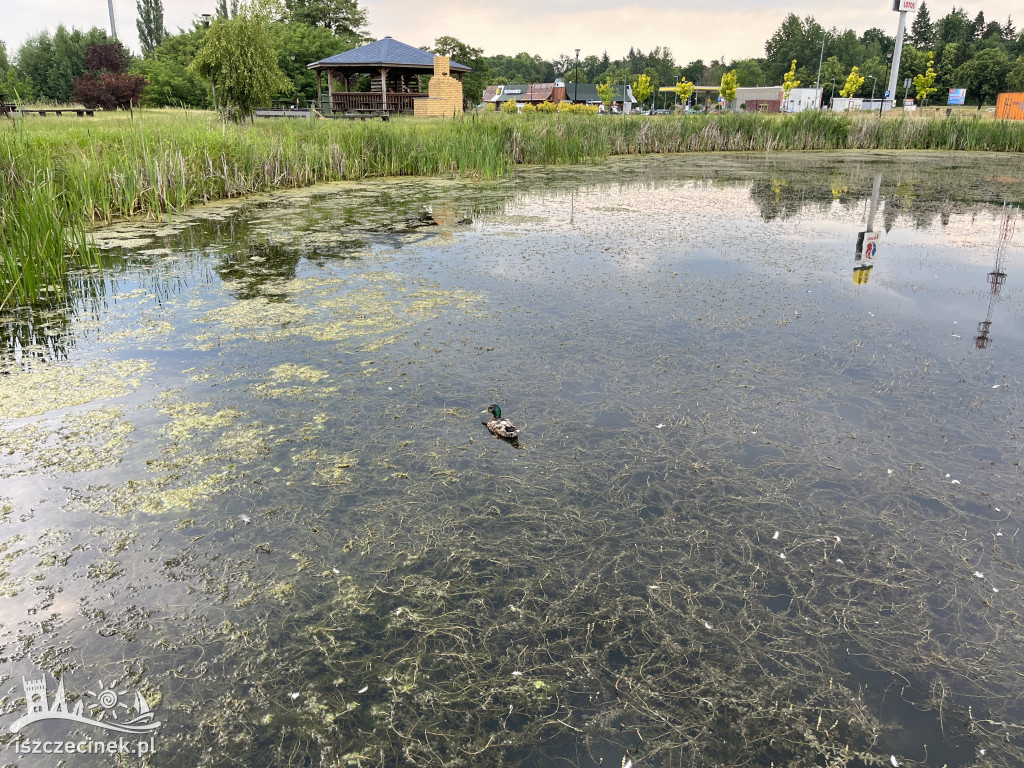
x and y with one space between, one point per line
222 11
306 44
684 90
950 60
606 93
150 24
984 76
1015 77
105 84
831 69
238 57
789 81
727 88
473 83
794 39
642 88
923 83
51 64
693 71
977 27
954 27
922 32
853 83
749 73
344 17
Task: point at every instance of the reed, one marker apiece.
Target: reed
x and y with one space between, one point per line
62 176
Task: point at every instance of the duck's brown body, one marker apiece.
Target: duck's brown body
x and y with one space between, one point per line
499 426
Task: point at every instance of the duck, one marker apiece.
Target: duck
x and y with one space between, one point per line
500 427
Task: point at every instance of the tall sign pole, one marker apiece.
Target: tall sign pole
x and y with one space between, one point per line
113 29
903 7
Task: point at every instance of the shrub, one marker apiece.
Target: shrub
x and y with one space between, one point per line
510 107
108 90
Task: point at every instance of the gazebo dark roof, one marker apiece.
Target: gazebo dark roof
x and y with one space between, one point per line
386 52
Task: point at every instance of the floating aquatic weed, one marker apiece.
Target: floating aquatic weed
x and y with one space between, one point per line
53 386
78 441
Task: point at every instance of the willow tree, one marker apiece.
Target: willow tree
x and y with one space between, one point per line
238 57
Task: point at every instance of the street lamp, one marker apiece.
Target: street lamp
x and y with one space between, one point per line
213 85
295 83
873 81
576 82
821 56
832 96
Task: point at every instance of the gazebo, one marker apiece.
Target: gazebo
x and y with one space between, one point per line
395 71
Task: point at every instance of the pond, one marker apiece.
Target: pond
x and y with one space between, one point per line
765 507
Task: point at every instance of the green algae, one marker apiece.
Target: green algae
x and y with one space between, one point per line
80 441
51 387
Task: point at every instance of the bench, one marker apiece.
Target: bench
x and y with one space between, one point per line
362 115
11 109
282 113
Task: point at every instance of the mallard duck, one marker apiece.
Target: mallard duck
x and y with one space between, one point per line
500 427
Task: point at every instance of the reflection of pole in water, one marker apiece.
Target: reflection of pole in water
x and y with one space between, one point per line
997 276
867 241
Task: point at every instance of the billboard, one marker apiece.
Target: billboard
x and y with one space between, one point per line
909 6
956 96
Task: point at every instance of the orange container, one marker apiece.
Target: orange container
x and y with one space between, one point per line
1010 106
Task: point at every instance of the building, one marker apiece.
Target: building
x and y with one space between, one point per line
526 93
760 99
1010 106
396 73
802 100
556 92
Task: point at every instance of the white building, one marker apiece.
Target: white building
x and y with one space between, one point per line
802 99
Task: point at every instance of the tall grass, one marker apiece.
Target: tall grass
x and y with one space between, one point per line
58 177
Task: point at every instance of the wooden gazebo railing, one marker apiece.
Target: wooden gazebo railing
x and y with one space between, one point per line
367 102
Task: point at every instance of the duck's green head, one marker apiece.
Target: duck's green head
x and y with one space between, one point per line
494 410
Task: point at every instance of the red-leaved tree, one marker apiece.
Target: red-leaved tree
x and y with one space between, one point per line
105 83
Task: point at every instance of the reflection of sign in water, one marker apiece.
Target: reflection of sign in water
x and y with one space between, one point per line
957 96
867 249
867 245
870 245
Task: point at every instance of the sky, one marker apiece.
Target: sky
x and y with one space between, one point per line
690 29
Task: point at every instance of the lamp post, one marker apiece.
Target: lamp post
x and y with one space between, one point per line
206 23
295 83
576 82
888 57
832 96
873 81
821 57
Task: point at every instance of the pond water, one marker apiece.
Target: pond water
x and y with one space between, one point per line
765 507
